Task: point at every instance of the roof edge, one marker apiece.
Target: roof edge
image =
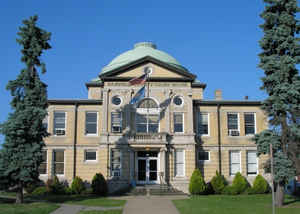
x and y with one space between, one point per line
69 101
227 102
151 59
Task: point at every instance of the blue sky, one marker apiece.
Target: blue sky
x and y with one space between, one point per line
216 40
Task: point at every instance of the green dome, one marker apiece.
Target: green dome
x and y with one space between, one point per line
139 51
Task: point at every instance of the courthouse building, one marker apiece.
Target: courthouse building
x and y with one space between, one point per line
161 137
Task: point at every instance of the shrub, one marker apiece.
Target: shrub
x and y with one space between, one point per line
218 183
297 192
209 189
40 191
230 190
77 185
240 183
260 185
197 184
53 186
99 185
29 188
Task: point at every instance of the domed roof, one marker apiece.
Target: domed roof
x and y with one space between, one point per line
139 51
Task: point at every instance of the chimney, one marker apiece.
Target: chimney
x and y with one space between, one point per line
218 94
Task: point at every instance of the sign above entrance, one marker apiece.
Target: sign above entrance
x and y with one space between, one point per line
148 110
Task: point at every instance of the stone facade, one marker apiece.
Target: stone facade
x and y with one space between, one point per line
165 156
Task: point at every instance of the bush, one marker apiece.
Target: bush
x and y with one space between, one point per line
240 183
53 186
230 190
40 191
297 192
209 189
218 183
77 185
260 185
99 185
197 184
29 188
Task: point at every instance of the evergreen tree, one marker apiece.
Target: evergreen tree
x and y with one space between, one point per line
279 57
21 154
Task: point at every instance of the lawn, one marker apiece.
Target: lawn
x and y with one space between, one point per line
7 206
242 204
86 200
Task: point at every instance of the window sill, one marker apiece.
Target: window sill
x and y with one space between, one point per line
91 135
91 162
204 161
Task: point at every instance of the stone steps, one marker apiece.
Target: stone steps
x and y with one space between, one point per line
155 190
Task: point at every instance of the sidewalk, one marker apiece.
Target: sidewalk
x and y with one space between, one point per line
134 205
151 205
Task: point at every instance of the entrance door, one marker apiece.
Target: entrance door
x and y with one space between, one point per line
147 165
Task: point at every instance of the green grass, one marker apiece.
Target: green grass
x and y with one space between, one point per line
242 204
101 212
7 206
86 200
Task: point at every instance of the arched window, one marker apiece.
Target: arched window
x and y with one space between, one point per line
147 120
147 103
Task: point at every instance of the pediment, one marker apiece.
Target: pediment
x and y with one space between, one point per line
160 70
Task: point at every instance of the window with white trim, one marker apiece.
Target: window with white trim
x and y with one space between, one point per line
249 123
147 123
178 122
116 162
235 162
202 123
90 155
91 125
59 123
252 163
116 122
233 124
179 163
59 162
203 156
43 165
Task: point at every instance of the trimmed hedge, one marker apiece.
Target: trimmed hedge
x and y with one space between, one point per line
77 186
218 183
99 185
260 185
240 183
197 184
54 186
40 191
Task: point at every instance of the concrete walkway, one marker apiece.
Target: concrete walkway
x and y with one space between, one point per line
134 205
74 209
151 205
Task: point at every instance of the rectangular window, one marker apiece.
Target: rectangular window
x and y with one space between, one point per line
249 123
233 124
90 155
202 123
203 156
116 162
91 119
116 122
178 122
43 165
235 162
59 162
179 163
147 123
251 163
59 123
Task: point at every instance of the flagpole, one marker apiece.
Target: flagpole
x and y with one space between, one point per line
147 81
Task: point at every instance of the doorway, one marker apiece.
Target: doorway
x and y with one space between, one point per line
147 167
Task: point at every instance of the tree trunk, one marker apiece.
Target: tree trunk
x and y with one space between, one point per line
19 197
279 197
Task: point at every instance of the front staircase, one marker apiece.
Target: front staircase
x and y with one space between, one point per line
155 189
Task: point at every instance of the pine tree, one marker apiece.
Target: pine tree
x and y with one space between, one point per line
279 57
21 154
